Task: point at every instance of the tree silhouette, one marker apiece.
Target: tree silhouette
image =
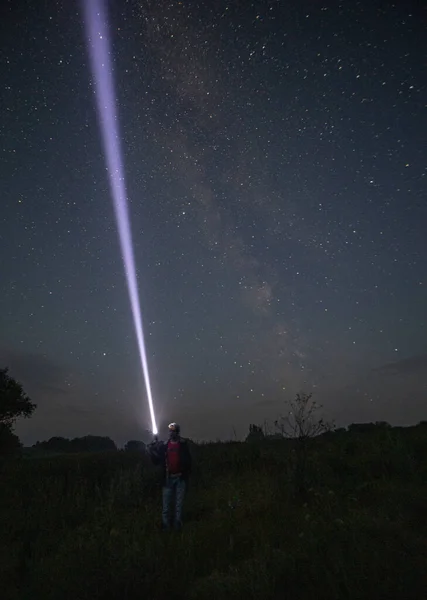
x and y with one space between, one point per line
134 446
88 443
9 441
255 433
302 423
14 403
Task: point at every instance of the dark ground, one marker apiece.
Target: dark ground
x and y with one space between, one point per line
86 526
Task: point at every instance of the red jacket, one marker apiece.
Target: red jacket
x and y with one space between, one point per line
159 455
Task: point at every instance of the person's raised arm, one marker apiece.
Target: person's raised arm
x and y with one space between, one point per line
156 451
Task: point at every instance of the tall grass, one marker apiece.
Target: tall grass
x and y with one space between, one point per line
77 527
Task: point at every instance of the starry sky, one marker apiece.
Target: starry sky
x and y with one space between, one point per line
276 168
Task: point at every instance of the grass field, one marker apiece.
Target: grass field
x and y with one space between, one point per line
87 526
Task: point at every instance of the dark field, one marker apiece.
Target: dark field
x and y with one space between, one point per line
87 526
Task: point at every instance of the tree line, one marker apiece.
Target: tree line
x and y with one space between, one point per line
302 422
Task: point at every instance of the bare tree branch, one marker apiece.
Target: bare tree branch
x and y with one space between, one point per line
302 421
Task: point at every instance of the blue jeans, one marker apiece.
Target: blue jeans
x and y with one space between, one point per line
174 489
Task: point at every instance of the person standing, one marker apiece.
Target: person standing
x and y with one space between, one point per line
175 457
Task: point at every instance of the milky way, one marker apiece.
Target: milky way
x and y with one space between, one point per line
277 182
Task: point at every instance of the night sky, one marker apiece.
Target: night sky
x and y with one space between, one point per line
276 165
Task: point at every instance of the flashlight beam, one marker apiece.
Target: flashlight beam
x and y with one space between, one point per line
102 73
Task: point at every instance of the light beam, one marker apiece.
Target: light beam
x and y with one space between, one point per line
95 17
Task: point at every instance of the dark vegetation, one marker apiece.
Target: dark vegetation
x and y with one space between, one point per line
302 512
14 404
